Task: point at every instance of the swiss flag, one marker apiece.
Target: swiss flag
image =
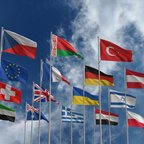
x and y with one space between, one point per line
112 52
9 93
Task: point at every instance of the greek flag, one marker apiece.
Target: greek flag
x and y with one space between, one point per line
122 100
68 115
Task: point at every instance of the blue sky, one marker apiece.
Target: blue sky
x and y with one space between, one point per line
80 22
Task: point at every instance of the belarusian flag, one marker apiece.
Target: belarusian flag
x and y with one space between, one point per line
62 48
7 113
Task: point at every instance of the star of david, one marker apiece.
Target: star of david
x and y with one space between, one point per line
123 99
13 75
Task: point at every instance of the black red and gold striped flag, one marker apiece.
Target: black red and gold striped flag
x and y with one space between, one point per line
92 77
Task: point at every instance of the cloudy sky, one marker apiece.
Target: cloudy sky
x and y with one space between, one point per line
80 22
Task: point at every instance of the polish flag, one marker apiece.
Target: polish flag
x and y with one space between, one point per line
134 79
135 120
16 44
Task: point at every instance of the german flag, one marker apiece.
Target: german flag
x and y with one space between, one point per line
92 77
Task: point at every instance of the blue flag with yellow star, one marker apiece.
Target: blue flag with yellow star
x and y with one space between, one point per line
13 72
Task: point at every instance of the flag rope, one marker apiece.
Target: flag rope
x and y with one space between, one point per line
1 43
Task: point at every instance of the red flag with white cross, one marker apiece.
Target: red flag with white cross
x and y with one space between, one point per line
9 93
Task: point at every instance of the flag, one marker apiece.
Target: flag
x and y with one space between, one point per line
16 44
7 113
13 72
87 99
62 48
122 100
9 93
135 120
134 79
43 95
112 52
92 77
57 76
68 115
33 113
106 117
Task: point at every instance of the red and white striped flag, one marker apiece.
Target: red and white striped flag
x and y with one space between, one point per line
134 79
135 120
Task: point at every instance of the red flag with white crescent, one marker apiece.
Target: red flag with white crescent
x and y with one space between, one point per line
112 52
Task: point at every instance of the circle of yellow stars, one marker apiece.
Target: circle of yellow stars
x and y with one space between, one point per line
15 73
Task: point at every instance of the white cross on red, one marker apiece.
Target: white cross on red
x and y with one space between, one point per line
7 92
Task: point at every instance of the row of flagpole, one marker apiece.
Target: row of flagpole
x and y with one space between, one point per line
49 125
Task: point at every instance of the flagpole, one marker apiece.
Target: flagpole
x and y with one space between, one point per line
1 44
41 72
84 100
71 117
25 123
32 116
127 134
60 123
49 136
99 91
94 125
109 116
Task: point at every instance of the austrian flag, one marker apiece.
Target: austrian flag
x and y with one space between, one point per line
134 79
9 93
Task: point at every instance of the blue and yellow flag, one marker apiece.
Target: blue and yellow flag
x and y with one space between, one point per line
87 99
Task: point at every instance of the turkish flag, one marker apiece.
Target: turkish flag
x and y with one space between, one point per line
112 52
9 93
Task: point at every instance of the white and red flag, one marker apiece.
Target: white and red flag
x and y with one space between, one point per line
16 44
9 93
134 79
112 52
57 76
135 120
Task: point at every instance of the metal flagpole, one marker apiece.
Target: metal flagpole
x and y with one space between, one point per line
94 125
25 124
41 72
99 91
1 44
60 123
127 134
71 118
49 136
84 100
109 116
32 116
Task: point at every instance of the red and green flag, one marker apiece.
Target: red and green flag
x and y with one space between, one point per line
62 48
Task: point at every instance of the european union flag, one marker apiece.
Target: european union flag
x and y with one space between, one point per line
13 72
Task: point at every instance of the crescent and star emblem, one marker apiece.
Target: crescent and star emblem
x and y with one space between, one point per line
108 51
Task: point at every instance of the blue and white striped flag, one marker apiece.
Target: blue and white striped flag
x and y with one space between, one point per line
68 115
121 100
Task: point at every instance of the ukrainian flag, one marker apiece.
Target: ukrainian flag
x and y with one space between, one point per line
87 99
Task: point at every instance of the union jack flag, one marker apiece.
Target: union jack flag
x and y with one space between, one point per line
31 108
43 95
33 114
